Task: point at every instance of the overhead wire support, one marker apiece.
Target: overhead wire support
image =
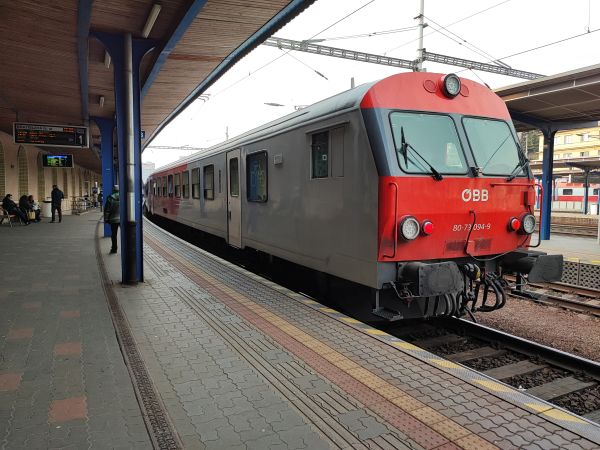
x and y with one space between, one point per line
308 47
481 66
305 46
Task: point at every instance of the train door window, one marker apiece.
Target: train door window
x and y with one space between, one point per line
195 183
164 186
256 177
567 192
234 177
209 182
185 185
177 185
320 155
170 185
220 189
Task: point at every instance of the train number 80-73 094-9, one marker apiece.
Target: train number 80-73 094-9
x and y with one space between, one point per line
467 226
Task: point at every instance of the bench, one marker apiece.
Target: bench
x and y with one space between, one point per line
9 217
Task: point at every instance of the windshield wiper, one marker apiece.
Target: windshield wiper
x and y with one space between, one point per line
520 166
404 146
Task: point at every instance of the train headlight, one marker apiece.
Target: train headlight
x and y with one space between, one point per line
528 223
451 85
409 228
514 224
427 227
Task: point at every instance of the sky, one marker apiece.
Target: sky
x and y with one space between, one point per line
478 30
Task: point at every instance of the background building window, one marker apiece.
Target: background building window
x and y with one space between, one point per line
584 154
320 155
185 187
569 139
196 183
256 177
209 182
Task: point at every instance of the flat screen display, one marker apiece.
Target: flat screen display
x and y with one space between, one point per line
60 161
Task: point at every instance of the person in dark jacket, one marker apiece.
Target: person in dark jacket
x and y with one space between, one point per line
112 216
11 207
57 196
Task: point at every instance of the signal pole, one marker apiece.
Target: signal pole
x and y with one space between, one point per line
421 50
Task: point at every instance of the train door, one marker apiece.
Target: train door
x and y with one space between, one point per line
234 202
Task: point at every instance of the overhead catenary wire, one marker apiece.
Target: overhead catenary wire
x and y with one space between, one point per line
304 64
449 25
282 55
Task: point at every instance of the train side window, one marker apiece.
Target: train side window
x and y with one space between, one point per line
256 177
164 186
177 185
567 192
220 189
185 185
320 155
209 182
234 177
170 185
595 192
195 183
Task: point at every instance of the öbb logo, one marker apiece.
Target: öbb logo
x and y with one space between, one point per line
475 195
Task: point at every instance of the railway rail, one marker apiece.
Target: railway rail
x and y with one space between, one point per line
574 230
572 298
563 379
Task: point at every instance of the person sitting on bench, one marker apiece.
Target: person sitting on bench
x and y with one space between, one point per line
11 208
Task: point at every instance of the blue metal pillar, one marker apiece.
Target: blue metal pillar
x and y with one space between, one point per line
107 127
586 187
130 186
547 184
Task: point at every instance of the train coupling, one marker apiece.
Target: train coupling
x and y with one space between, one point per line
538 266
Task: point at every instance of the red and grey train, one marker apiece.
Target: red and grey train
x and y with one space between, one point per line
414 186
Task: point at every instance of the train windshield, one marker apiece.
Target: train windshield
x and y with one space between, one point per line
493 145
434 137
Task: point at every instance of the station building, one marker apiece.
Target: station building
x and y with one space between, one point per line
22 173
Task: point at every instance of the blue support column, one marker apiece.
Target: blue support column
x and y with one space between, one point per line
131 252
586 187
547 184
107 127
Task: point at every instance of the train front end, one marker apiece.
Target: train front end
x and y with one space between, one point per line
456 198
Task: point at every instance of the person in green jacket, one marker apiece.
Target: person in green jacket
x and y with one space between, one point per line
112 216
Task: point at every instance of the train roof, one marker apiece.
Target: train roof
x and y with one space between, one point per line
399 91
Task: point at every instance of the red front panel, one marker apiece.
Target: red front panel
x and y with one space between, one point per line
447 204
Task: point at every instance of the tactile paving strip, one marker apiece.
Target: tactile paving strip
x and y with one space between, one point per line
546 411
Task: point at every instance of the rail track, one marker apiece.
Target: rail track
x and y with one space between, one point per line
563 379
560 295
574 229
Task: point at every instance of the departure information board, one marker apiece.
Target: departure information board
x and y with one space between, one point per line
60 161
50 135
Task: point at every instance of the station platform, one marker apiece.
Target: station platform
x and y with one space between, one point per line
204 354
574 248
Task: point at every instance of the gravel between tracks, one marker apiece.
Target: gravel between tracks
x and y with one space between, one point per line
568 331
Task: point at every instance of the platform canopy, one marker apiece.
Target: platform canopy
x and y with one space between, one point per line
567 100
54 72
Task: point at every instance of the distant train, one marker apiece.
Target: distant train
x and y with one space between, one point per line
574 192
414 186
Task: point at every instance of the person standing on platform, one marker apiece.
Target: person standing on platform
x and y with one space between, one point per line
112 216
57 196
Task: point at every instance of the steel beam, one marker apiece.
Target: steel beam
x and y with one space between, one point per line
106 127
547 184
123 48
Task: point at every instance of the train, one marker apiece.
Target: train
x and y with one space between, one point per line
413 186
574 192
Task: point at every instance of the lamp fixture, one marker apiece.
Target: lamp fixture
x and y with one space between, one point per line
107 59
154 12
